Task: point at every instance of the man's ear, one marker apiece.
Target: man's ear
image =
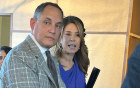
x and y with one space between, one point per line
32 23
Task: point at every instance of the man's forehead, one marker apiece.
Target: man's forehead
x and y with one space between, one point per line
50 19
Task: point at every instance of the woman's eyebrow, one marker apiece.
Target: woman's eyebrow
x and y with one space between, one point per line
67 31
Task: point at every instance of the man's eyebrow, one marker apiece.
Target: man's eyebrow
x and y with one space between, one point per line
59 23
48 19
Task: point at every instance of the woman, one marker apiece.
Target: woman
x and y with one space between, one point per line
72 53
3 52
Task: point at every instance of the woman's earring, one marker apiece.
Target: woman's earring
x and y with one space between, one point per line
61 46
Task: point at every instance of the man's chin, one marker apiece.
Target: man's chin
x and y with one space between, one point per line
49 46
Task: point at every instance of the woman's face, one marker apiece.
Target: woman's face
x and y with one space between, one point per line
71 39
2 56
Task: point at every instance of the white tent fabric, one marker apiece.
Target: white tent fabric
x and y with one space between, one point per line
106 23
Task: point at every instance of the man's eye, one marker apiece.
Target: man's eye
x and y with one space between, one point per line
47 23
59 26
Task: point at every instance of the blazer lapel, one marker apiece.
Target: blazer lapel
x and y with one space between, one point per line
41 63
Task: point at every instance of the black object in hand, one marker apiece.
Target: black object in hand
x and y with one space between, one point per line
93 77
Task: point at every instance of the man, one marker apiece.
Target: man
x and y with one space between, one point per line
132 78
26 65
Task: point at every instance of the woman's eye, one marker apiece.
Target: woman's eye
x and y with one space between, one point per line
68 34
78 35
0 57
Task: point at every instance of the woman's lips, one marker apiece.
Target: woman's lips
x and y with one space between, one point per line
72 45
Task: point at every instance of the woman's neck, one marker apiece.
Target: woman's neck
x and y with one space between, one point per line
66 61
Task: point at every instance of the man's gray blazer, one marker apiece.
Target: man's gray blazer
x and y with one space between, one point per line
25 67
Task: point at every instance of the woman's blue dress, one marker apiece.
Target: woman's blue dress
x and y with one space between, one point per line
74 77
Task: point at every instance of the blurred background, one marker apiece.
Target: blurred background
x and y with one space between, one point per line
107 24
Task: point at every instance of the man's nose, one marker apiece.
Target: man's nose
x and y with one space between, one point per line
52 29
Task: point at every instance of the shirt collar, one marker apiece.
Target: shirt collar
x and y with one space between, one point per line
42 49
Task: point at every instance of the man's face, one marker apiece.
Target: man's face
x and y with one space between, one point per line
46 29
